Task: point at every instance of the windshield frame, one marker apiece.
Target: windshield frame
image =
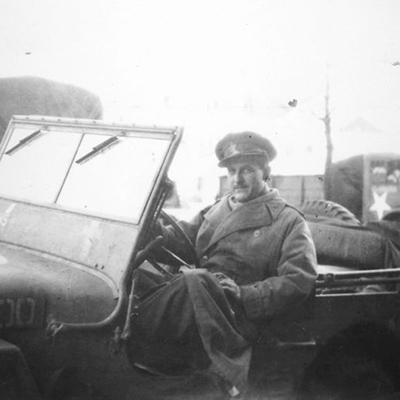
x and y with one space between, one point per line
171 136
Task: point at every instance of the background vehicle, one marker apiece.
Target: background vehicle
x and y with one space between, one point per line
367 185
32 95
77 203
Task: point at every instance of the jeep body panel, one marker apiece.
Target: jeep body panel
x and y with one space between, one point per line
77 198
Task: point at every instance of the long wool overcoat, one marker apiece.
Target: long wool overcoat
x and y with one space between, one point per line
265 246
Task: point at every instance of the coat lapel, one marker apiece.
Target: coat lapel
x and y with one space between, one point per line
258 212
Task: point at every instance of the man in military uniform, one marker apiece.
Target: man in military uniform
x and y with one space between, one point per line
257 261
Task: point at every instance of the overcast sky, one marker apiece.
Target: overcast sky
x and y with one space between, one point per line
215 66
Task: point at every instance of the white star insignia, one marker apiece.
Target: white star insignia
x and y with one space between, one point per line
380 205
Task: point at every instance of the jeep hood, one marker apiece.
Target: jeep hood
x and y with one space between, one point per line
34 287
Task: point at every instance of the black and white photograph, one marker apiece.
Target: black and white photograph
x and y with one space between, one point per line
200 200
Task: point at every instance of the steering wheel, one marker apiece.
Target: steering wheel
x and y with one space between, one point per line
182 234
157 244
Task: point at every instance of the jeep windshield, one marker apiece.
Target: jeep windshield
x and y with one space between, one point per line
95 168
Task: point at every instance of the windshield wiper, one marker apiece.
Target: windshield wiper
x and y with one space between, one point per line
23 142
97 149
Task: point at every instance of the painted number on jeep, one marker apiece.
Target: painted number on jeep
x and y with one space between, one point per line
19 312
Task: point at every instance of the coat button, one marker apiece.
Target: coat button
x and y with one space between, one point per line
257 233
205 258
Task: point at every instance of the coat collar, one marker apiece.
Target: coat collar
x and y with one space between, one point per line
261 211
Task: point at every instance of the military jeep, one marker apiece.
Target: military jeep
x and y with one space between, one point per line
78 199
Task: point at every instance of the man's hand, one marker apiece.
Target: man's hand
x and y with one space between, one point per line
228 285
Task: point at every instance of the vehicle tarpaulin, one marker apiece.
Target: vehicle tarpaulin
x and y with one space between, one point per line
29 95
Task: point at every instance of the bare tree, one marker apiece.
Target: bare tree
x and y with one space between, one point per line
326 119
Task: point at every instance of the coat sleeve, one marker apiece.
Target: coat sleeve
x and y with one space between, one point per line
296 274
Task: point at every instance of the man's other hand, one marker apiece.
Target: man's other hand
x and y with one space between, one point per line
228 285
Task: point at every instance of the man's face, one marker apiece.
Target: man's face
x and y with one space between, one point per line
245 179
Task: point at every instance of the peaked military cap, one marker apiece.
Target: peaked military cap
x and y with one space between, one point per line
244 144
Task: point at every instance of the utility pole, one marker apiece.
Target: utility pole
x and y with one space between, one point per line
329 145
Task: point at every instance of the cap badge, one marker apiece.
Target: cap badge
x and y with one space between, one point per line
232 150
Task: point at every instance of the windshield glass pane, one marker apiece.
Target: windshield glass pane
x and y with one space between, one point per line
93 168
115 180
35 170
